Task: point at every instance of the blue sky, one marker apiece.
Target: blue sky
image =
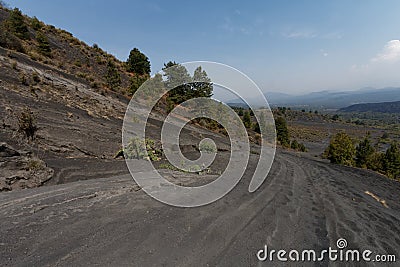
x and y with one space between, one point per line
284 46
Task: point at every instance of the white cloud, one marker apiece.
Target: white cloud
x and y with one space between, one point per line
300 35
390 53
324 53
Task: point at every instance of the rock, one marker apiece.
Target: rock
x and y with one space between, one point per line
20 169
7 151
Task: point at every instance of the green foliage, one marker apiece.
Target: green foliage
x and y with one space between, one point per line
184 87
207 147
282 132
16 24
9 40
36 24
335 117
138 63
27 123
43 44
113 76
256 128
341 150
246 119
136 81
392 161
298 146
178 79
376 162
364 152
137 148
168 166
201 85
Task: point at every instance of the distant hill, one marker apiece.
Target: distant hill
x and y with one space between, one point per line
328 99
337 100
386 107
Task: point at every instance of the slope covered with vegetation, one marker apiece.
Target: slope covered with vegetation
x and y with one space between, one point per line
60 49
385 107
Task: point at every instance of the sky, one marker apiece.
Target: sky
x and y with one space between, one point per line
284 46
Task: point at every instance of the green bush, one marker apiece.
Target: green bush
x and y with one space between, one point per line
113 76
43 44
282 132
36 24
392 161
9 40
247 119
138 63
207 147
298 146
137 147
341 150
27 123
364 152
16 23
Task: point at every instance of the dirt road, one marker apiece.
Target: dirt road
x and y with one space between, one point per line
304 204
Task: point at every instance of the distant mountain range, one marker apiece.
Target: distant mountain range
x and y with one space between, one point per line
385 107
328 99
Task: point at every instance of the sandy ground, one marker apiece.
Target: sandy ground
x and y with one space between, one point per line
303 204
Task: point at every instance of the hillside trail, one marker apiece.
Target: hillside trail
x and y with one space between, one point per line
304 204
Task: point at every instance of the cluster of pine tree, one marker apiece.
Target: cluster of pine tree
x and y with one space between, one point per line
342 150
283 136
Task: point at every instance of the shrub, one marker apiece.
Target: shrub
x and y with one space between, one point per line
14 65
335 117
207 147
377 161
282 132
27 123
113 77
298 146
36 24
16 22
137 147
23 79
43 44
341 150
135 82
78 63
364 152
36 77
168 166
9 40
392 161
247 119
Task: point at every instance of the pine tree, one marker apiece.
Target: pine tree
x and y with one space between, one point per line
282 132
138 63
201 85
364 152
135 82
43 44
341 150
392 161
178 82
